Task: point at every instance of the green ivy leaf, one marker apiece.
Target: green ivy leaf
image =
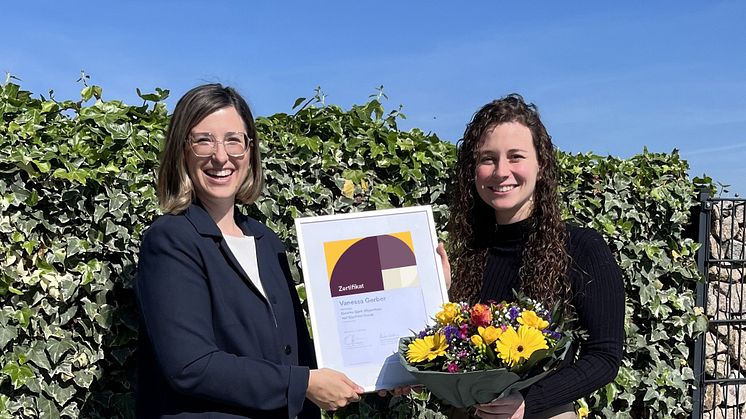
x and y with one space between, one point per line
84 378
7 333
58 348
46 408
23 316
59 393
298 102
18 374
38 356
4 402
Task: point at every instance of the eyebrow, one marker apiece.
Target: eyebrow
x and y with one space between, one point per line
512 150
226 132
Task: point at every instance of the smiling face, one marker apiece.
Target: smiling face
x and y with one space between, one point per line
506 171
216 179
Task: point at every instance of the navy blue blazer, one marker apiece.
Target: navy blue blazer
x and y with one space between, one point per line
211 345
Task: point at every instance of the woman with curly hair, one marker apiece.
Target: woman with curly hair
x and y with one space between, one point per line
507 234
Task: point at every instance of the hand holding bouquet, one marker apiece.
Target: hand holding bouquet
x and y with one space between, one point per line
474 354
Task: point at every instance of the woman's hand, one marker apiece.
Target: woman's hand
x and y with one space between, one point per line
510 407
330 389
441 249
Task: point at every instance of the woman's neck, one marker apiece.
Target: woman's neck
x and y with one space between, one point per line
513 216
223 217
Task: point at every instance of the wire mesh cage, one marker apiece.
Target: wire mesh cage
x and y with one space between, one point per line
720 355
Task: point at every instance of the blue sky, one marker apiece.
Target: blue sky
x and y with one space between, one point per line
609 78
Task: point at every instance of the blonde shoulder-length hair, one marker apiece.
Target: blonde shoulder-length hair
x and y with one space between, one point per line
175 189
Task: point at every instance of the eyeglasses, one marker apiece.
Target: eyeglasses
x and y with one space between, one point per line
204 144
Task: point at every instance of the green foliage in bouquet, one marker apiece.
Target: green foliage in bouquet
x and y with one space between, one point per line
76 191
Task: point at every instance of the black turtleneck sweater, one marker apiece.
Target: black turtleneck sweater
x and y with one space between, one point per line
598 297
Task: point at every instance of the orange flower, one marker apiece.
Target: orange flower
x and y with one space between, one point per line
481 315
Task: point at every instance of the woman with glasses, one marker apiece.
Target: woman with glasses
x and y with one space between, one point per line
223 334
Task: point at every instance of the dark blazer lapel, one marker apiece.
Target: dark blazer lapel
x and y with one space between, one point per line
264 255
238 268
206 226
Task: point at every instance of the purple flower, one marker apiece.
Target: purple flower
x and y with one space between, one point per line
453 367
462 353
422 334
450 331
513 313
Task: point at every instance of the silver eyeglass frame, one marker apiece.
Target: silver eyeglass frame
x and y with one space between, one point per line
248 141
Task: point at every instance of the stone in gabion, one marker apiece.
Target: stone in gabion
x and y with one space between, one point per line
737 349
735 249
714 345
724 207
717 366
713 397
725 229
734 394
723 413
720 271
726 301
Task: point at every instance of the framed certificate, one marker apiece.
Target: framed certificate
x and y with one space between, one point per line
371 278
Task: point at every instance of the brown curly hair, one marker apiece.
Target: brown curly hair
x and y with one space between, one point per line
545 257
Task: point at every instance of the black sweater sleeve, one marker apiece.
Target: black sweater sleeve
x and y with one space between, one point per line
598 296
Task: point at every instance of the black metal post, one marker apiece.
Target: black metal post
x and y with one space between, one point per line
699 346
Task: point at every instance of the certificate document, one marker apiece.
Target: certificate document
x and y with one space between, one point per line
371 278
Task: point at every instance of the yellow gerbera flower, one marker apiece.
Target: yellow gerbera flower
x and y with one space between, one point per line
489 334
449 314
529 318
427 348
514 347
583 412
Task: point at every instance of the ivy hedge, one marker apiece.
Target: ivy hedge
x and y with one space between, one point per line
76 192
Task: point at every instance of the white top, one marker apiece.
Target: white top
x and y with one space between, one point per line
244 249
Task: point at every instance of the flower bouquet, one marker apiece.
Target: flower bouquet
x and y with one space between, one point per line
475 354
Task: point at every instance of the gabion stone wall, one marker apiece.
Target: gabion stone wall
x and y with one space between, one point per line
725 341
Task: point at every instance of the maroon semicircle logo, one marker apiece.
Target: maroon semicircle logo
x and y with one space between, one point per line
362 266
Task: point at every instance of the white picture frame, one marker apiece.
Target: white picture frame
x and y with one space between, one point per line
370 277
